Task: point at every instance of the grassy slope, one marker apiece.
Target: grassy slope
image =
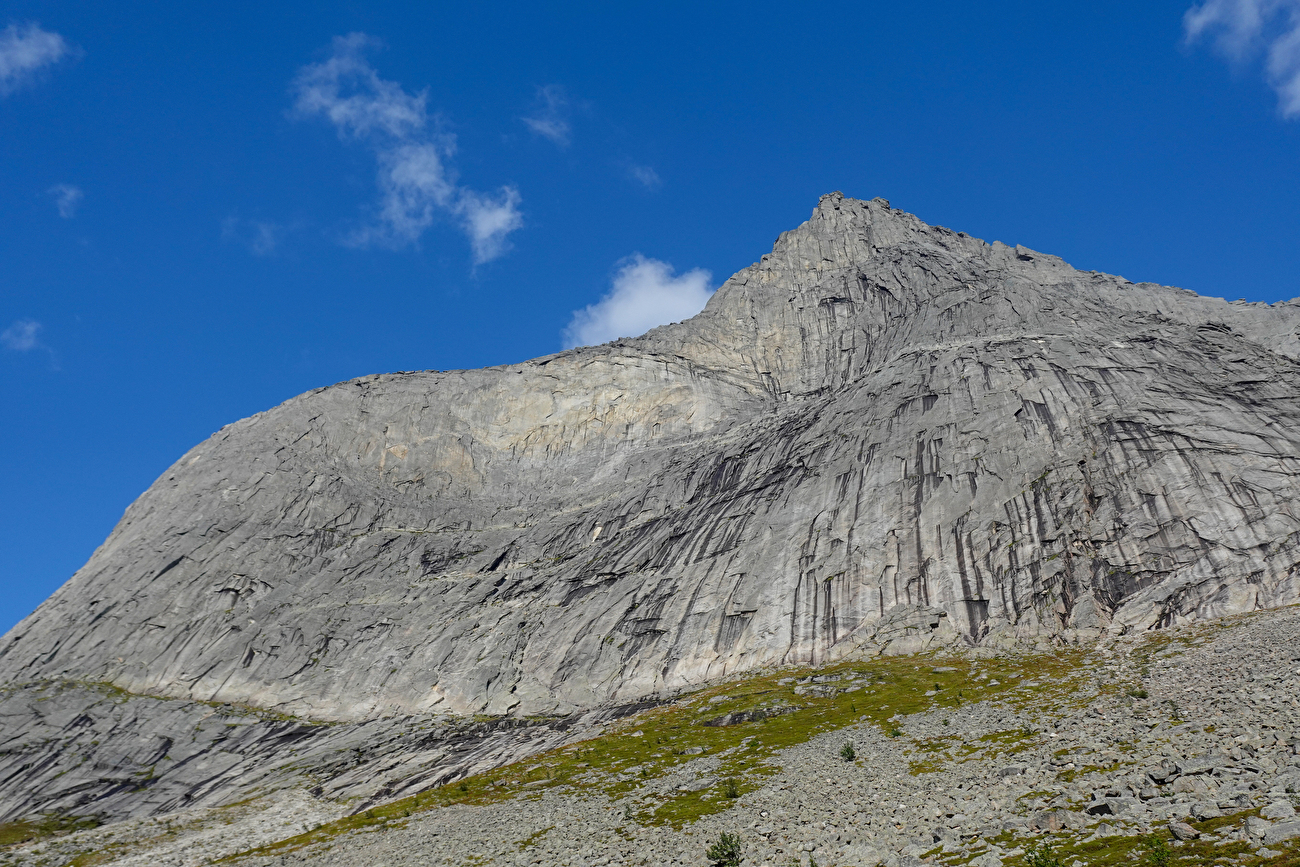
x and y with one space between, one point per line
621 761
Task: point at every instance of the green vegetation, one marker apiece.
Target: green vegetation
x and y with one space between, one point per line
532 838
925 766
1153 851
31 830
769 716
1041 855
620 763
847 752
1068 775
1158 852
726 851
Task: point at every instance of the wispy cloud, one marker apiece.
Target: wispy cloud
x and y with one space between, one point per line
645 176
415 180
66 198
21 336
26 50
489 220
1243 29
550 115
261 237
645 293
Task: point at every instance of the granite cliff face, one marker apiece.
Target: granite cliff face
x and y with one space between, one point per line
881 436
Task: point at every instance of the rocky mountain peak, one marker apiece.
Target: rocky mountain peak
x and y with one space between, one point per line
881 436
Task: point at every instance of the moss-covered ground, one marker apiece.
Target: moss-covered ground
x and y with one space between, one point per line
1117 850
626 759
31 830
742 725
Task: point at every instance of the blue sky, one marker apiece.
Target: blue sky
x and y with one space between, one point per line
205 211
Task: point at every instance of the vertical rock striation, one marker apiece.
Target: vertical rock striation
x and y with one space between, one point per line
881 435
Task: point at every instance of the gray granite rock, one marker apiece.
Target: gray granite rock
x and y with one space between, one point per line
883 437
1257 827
1282 831
1280 810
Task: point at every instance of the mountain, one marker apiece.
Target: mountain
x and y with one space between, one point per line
882 437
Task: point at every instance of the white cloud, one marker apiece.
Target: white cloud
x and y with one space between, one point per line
549 120
21 336
66 199
414 178
645 294
24 51
646 176
348 91
1242 29
488 222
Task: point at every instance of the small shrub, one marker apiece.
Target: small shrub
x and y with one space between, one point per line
1138 692
945 722
1041 855
730 789
464 787
895 732
847 752
725 851
812 862
1158 852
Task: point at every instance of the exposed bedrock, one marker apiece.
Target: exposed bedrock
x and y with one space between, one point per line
882 434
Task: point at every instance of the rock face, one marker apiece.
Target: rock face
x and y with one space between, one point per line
880 436
1102 748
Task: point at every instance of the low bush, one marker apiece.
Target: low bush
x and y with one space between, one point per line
1041 855
726 851
1158 852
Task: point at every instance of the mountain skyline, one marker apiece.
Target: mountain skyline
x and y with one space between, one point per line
208 213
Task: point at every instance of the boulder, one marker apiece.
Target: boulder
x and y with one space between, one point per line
1206 811
1282 831
1280 810
1254 826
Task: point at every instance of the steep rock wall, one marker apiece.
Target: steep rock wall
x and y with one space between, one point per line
880 435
